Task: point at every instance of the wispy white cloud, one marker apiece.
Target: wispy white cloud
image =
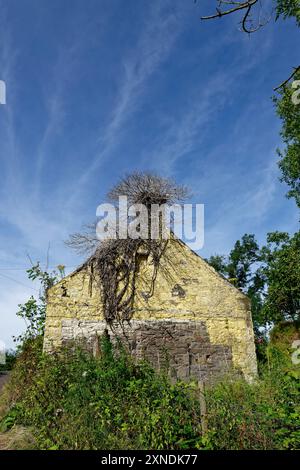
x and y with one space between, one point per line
25 227
153 47
187 129
8 57
27 224
247 209
62 75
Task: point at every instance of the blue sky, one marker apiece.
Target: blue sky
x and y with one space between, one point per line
96 88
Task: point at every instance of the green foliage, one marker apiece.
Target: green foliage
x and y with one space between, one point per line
269 276
241 258
289 163
33 311
281 269
9 362
75 401
219 263
263 415
237 266
288 8
282 338
285 333
239 269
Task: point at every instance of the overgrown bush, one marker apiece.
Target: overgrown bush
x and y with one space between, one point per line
75 401
263 415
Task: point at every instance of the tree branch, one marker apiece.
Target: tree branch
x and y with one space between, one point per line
296 69
237 6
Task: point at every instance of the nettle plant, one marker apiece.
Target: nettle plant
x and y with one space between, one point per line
33 311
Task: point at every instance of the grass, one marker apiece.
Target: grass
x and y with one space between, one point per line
17 438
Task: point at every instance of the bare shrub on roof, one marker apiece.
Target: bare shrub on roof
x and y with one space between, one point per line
115 263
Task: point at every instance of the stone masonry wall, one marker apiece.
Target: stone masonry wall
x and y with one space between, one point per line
187 292
180 348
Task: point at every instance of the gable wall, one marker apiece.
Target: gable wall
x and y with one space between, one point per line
187 290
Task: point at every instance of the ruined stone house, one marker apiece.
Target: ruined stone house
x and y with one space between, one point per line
194 323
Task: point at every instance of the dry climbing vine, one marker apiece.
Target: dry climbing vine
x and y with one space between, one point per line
115 264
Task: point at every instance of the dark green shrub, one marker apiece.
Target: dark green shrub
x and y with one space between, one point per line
263 415
9 362
74 401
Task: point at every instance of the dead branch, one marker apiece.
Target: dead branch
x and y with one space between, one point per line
247 7
283 84
247 22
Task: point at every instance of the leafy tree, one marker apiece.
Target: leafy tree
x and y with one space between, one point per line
241 258
269 276
244 271
289 163
219 263
237 266
281 258
34 310
241 269
288 8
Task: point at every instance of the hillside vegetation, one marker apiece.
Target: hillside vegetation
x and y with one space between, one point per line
71 400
